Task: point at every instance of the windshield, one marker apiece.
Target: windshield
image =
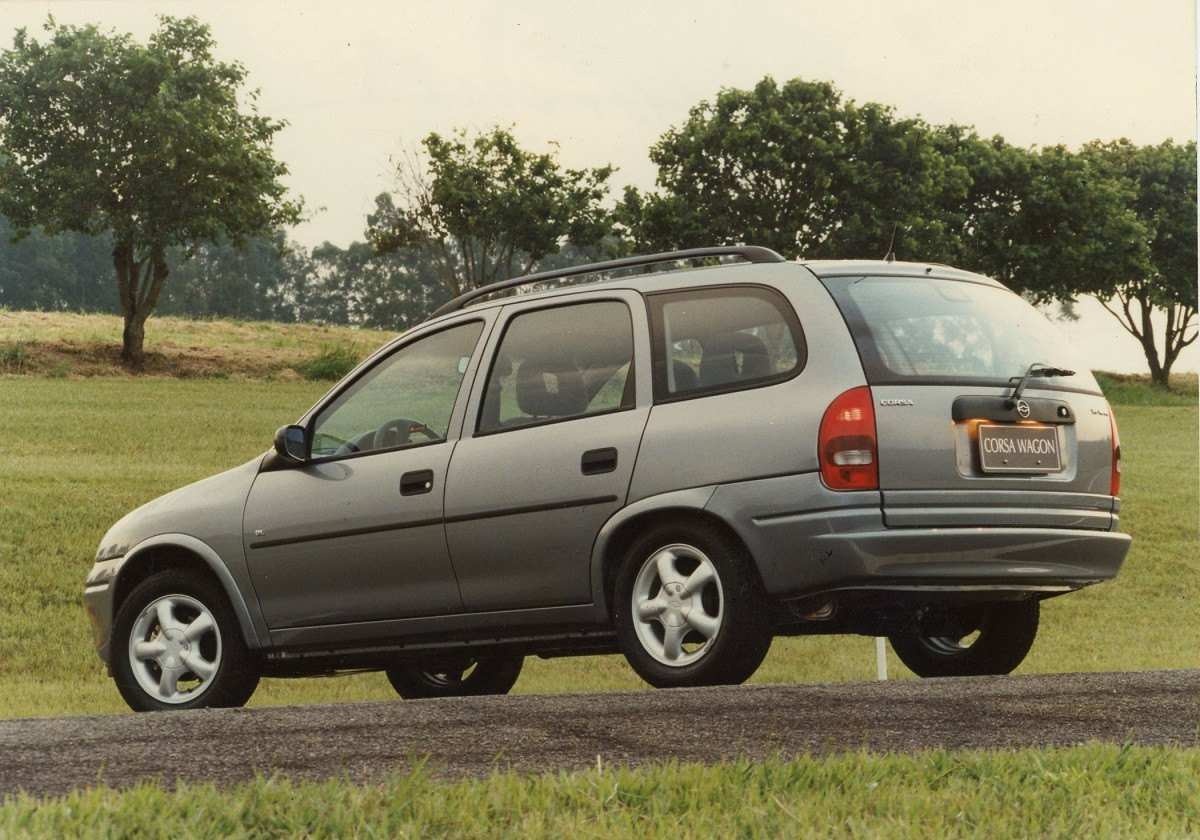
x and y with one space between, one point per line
927 329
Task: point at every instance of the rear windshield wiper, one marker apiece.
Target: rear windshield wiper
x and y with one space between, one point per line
1035 370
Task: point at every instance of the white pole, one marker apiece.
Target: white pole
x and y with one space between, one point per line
880 659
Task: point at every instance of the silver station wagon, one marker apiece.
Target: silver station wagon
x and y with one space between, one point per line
677 464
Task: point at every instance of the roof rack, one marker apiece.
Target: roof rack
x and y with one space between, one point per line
750 253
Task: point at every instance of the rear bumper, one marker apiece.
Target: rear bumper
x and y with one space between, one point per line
964 559
807 539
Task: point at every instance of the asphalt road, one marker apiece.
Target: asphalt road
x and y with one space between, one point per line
472 736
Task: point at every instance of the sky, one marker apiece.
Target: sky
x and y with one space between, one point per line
361 82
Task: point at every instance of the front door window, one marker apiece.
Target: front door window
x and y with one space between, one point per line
405 400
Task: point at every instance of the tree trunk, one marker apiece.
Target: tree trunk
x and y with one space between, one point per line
133 336
1159 371
139 283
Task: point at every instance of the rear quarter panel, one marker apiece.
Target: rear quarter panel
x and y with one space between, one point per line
766 431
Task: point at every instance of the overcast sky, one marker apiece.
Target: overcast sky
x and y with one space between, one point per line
358 82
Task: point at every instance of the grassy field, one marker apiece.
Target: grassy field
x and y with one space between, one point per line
77 453
81 443
80 449
1101 791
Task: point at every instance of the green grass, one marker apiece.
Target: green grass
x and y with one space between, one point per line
332 362
1101 791
76 454
1136 389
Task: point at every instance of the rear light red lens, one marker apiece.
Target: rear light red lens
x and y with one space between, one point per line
1114 484
846 445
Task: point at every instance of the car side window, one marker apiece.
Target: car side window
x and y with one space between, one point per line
717 339
560 363
404 400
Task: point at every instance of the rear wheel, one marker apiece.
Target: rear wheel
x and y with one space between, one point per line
457 677
689 609
177 645
985 640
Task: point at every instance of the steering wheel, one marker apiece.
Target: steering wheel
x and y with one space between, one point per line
399 432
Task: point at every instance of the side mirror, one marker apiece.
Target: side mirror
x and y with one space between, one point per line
291 442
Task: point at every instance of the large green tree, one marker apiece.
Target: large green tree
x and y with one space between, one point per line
1160 185
146 141
798 168
487 208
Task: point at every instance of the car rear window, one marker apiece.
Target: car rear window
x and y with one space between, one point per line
929 329
718 339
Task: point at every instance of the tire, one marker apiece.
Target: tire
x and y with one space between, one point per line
1006 633
463 677
188 595
717 634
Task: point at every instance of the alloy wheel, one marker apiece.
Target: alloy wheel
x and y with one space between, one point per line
678 605
175 648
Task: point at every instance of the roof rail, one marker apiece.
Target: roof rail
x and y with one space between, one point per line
750 253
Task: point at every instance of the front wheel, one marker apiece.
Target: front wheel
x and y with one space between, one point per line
465 676
689 609
177 645
990 639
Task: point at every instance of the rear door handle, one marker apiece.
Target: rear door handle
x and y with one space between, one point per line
416 483
596 461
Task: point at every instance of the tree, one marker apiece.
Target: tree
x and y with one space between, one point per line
797 168
488 209
70 271
221 280
100 134
1160 182
802 170
390 291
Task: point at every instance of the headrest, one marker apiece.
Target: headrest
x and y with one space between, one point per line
719 364
685 377
756 361
550 389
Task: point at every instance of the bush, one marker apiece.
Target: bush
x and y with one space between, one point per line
333 362
13 357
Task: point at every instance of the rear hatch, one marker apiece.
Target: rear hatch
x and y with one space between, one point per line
943 357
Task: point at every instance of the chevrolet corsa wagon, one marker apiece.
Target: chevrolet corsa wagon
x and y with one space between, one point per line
677 464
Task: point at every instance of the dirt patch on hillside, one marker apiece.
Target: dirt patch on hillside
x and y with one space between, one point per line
89 359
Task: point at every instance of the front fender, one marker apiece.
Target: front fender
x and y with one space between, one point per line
254 629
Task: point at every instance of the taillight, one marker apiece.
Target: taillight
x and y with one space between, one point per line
1114 483
846 445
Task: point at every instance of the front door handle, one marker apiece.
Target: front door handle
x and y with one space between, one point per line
416 483
596 461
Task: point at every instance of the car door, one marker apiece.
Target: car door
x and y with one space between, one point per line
355 533
548 449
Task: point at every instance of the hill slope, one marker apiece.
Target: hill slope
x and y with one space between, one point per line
73 344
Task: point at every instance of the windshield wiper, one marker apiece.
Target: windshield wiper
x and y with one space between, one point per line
1038 370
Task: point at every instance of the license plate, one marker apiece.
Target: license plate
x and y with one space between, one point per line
1019 449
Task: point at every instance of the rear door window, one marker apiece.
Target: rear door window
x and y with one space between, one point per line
558 364
719 339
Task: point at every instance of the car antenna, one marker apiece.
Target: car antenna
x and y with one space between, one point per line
890 256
